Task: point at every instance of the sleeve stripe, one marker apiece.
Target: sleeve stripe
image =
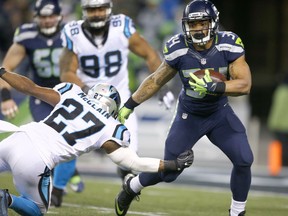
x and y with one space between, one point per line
69 42
118 132
175 54
127 32
65 88
230 48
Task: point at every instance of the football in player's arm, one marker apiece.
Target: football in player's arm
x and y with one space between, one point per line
203 108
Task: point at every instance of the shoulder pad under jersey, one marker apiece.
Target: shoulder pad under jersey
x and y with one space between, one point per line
64 87
229 41
174 48
123 23
25 31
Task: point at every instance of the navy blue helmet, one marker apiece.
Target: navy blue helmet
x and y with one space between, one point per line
47 8
199 10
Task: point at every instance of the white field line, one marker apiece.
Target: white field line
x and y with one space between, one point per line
102 210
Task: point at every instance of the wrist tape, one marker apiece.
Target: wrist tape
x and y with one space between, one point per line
131 104
5 94
2 71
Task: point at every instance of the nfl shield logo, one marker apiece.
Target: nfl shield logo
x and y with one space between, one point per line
203 61
184 115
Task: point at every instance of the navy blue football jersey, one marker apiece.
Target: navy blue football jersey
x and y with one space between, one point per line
182 56
43 53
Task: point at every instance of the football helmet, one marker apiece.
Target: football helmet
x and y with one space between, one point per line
47 16
198 10
97 23
107 95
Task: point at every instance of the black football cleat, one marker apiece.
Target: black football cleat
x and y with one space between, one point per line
125 197
57 197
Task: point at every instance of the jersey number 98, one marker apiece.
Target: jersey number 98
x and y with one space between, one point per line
111 64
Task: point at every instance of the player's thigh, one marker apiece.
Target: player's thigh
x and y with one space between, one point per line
6 149
27 168
183 134
230 136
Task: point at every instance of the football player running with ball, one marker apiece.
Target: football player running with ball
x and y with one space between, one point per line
203 108
79 123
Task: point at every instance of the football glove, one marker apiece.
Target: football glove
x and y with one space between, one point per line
206 85
123 114
201 85
167 99
183 161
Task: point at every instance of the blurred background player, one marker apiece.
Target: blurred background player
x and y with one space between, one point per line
40 41
203 108
96 50
278 118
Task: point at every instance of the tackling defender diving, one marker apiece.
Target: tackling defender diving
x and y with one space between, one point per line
79 123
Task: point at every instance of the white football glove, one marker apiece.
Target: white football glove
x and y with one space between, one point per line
167 99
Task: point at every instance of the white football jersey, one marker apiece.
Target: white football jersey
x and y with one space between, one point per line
76 125
106 63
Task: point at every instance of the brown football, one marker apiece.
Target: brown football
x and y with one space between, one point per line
215 76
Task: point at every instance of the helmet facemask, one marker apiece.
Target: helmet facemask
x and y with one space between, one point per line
97 24
200 10
199 37
48 31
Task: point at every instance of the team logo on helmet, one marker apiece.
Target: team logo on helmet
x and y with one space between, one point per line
108 96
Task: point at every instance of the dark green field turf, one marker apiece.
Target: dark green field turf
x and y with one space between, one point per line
164 199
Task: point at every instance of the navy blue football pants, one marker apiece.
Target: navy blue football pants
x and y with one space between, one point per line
224 129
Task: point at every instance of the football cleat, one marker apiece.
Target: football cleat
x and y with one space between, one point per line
4 196
122 173
78 187
57 197
125 197
76 184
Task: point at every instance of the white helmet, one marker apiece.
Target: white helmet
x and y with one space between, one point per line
97 22
108 96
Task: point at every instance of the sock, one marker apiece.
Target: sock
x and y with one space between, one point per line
135 184
237 207
24 206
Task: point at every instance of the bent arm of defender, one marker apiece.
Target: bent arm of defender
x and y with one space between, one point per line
28 87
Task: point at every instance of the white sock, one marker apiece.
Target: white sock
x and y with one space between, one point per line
135 184
237 207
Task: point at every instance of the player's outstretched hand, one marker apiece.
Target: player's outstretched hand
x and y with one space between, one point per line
167 99
185 160
123 114
9 108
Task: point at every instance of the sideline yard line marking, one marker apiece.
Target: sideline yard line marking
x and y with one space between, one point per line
53 210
